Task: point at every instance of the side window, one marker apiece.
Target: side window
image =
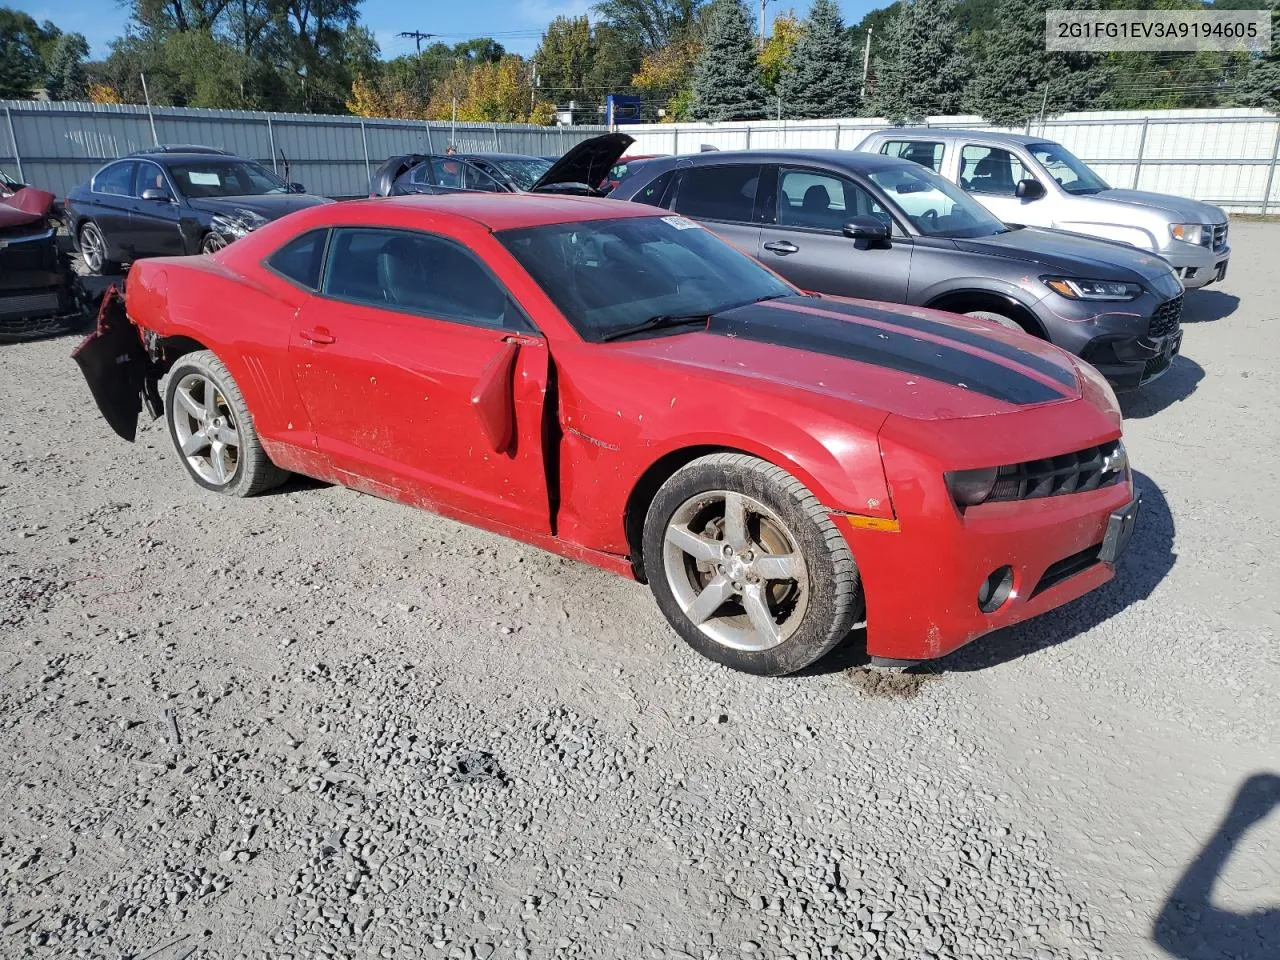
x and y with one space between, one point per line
423 174
823 201
473 178
301 258
149 177
115 180
718 193
990 171
924 152
416 273
655 190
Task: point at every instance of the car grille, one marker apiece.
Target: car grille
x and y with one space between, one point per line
1219 237
29 304
1088 469
1166 318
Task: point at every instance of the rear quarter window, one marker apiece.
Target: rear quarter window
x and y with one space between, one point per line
301 259
653 192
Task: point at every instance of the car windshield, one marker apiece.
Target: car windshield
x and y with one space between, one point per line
935 207
524 172
611 275
225 178
1069 170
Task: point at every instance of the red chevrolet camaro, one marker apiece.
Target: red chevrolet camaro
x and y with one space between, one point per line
619 386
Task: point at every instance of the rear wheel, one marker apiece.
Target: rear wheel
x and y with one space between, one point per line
93 250
747 566
212 430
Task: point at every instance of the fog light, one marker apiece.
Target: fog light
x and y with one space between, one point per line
995 590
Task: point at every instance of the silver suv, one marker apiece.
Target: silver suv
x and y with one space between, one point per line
1034 182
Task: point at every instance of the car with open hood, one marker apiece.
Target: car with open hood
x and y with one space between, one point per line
617 385
1035 182
884 228
175 201
36 280
584 169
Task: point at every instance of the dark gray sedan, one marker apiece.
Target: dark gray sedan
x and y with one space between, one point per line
881 228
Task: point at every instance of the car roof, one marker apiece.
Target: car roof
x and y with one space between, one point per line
180 148
957 133
849 160
506 211
167 158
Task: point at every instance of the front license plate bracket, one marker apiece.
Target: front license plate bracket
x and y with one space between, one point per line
1120 528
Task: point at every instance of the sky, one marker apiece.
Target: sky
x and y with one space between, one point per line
516 24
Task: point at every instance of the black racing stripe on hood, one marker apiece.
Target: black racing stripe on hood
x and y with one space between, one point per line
896 351
1027 359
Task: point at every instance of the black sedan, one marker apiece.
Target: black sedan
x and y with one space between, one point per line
582 170
880 228
174 202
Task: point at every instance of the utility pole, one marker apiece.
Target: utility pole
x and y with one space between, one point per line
417 36
762 25
866 62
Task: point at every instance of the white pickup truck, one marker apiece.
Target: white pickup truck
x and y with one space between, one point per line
1030 181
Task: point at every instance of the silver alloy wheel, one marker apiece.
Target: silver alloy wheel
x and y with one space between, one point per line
212 243
735 570
206 430
93 247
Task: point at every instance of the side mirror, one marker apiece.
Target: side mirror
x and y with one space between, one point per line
157 194
866 228
1029 190
296 187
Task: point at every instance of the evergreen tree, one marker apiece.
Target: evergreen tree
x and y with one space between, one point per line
20 63
820 80
66 76
1259 84
920 69
1015 77
726 80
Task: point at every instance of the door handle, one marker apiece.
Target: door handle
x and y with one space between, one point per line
318 335
782 246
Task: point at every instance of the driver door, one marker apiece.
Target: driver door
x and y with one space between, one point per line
806 242
990 175
423 380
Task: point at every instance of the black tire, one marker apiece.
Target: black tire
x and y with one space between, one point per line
85 241
834 601
250 471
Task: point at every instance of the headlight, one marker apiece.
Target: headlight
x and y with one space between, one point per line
1074 289
236 224
1117 461
971 487
1188 232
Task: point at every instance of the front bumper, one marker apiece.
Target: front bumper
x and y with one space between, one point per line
1130 343
1197 266
922 581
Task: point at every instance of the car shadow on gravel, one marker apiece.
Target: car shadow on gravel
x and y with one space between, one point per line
1206 306
296 483
1190 925
1175 386
1146 562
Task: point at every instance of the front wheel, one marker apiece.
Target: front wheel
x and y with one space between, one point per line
212 430
748 567
999 318
212 242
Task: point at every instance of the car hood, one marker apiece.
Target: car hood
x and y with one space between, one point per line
589 162
26 205
921 364
1074 255
273 206
1176 209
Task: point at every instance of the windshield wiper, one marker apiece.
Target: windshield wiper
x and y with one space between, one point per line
662 321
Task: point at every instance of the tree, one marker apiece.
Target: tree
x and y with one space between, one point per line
666 77
819 79
564 59
21 66
1259 83
1015 77
920 69
65 74
726 80
773 58
650 24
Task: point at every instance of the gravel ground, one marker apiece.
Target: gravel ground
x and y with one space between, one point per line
315 724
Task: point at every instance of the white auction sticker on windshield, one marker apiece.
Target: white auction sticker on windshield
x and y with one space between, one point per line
680 223
204 179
